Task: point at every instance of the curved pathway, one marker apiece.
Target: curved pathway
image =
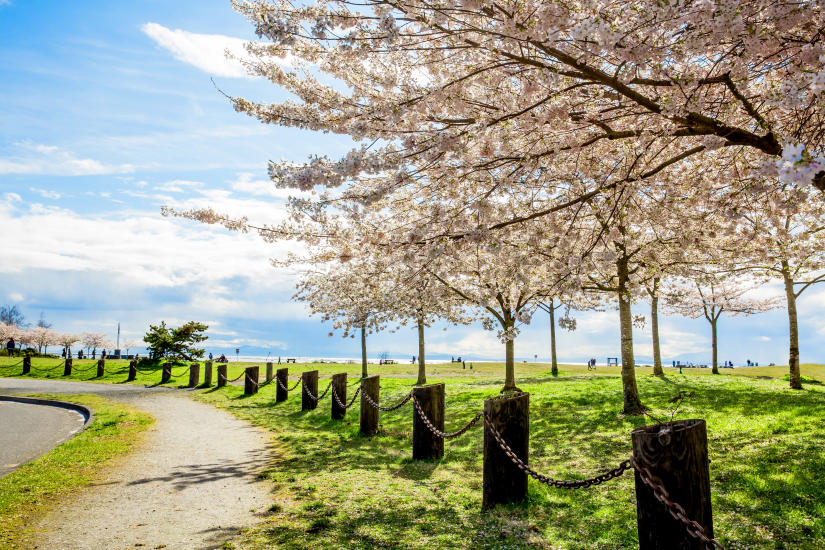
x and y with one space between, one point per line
192 483
28 430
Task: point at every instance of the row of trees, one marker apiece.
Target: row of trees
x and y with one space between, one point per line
582 155
41 338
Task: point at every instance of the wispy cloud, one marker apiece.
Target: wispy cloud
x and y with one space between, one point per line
38 159
46 193
205 51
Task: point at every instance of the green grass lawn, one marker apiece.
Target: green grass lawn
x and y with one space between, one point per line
26 492
337 489
118 370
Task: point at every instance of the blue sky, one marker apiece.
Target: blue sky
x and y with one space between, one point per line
108 111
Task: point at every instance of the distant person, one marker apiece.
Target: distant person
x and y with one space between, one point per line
10 347
674 364
413 360
210 355
463 365
279 359
64 353
103 354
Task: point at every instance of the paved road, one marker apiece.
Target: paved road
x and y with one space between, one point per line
192 483
28 431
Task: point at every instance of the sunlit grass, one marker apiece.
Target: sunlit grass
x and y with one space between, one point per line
335 488
26 492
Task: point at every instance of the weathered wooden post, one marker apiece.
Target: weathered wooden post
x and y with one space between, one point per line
250 385
269 375
132 371
676 456
221 375
339 386
194 374
503 481
425 443
370 386
207 374
166 375
282 376
67 367
309 384
101 367
27 365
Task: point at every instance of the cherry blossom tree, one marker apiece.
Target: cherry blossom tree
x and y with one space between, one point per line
94 340
66 340
43 337
709 294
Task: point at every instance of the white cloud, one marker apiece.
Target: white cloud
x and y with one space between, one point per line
46 193
205 51
764 338
38 159
177 186
246 184
16 297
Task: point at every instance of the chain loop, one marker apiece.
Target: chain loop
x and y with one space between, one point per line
238 378
309 394
436 431
11 366
403 402
50 369
341 403
559 483
693 528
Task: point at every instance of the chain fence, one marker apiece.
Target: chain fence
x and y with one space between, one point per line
341 403
326 391
436 431
12 366
238 377
281 384
58 366
390 408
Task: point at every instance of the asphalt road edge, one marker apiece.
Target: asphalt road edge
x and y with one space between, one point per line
87 412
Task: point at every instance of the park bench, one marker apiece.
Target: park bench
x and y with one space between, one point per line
290 360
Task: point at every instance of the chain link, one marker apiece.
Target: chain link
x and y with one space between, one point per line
436 431
693 528
50 369
281 384
12 366
559 483
268 382
238 378
403 402
341 403
309 394
181 374
93 366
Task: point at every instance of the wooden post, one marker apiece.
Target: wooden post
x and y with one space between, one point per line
207 374
67 367
194 374
309 382
425 443
282 376
369 414
250 385
27 365
269 375
503 481
221 376
101 366
339 384
676 455
166 375
132 371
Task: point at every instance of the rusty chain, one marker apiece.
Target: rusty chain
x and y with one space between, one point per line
12 366
268 382
398 405
693 528
238 377
281 384
357 382
436 431
51 369
341 403
93 366
559 483
181 374
309 393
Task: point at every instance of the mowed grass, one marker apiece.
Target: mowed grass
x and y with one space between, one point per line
337 489
116 371
27 492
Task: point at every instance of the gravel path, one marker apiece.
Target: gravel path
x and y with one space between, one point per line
192 483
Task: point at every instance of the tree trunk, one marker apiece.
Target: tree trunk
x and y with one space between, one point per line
632 402
364 351
793 357
509 361
554 369
715 363
654 326
422 366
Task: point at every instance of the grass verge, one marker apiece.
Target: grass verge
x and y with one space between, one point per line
337 489
26 492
